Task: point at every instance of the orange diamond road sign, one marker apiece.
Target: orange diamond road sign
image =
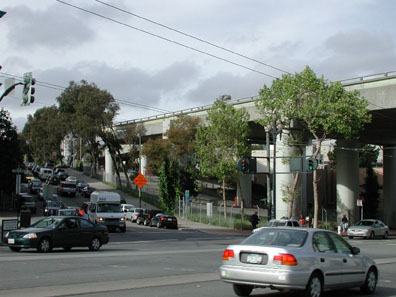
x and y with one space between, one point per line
140 180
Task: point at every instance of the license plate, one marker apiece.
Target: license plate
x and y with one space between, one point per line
169 219
254 258
11 240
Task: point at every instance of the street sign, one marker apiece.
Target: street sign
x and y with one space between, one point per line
187 196
359 202
140 180
18 170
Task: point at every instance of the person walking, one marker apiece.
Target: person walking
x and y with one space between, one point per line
254 219
344 223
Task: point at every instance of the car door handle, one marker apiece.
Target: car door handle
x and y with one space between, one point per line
322 259
344 260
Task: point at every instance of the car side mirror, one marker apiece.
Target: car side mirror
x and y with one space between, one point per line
355 250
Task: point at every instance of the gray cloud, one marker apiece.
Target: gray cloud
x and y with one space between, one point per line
53 28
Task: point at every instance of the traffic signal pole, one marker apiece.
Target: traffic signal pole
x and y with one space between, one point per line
9 90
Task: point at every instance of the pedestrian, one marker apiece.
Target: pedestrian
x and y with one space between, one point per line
309 219
83 214
254 219
302 221
344 223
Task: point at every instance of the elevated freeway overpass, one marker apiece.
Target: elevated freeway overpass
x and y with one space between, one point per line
378 89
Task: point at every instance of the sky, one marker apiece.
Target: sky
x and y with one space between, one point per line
129 50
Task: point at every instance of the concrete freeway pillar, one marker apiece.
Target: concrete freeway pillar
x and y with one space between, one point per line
109 167
347 189
389 187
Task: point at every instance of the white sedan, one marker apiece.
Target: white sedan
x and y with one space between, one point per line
309 260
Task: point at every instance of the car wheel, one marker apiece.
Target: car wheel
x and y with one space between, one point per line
314 287
372 235
15 249
95 244
370 284
123 230
386 234
158 225
242 290
44 245
67 248
145 222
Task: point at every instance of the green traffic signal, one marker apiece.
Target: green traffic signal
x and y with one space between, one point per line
312 164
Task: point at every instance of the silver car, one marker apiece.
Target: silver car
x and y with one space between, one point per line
368 229
311 260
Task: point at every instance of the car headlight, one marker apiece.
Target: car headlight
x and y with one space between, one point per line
30 235
122 219
99 219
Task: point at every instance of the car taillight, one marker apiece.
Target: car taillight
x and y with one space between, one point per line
285 259
227 254
175 220
162 219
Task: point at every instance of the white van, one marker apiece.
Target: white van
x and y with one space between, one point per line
45 173
105 209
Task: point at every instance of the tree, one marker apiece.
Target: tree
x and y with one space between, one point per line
44 132
371 194
322 108
368 155
10 154
169 185
90 111
221 142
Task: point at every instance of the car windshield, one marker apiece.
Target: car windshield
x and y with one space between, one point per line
365 223
67 212
277 237
28 199
48 223
53 204
108 207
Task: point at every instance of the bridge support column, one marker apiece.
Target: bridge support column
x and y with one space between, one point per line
390 187
109 168
244 189
284 178
347 189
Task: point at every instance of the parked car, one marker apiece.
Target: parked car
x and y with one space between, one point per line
71 179
58 232
163 220
306 259
146 217
67 189
27 202
53 179
127 207
133 214
87 191
63 175
81 185
368 229
34 186
279 223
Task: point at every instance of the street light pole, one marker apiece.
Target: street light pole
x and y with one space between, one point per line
140 170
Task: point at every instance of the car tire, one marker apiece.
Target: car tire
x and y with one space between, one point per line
67 248
372 235
145 223
158 225
242 290
15 249
44 245
123 229
314 286
386 234
95 244
370 284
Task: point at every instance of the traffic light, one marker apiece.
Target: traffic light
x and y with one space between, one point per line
247 165
312 164
28 89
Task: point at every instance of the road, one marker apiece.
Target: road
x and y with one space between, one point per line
148 261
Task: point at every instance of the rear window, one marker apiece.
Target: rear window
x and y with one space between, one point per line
277 237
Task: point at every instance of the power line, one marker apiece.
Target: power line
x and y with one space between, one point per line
166 39
192 36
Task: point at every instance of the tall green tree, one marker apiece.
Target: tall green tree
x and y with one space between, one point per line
221 142
169 185
10 155
90 112
44 132
371 194
323 109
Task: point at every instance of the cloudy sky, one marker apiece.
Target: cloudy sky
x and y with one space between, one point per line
129 51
